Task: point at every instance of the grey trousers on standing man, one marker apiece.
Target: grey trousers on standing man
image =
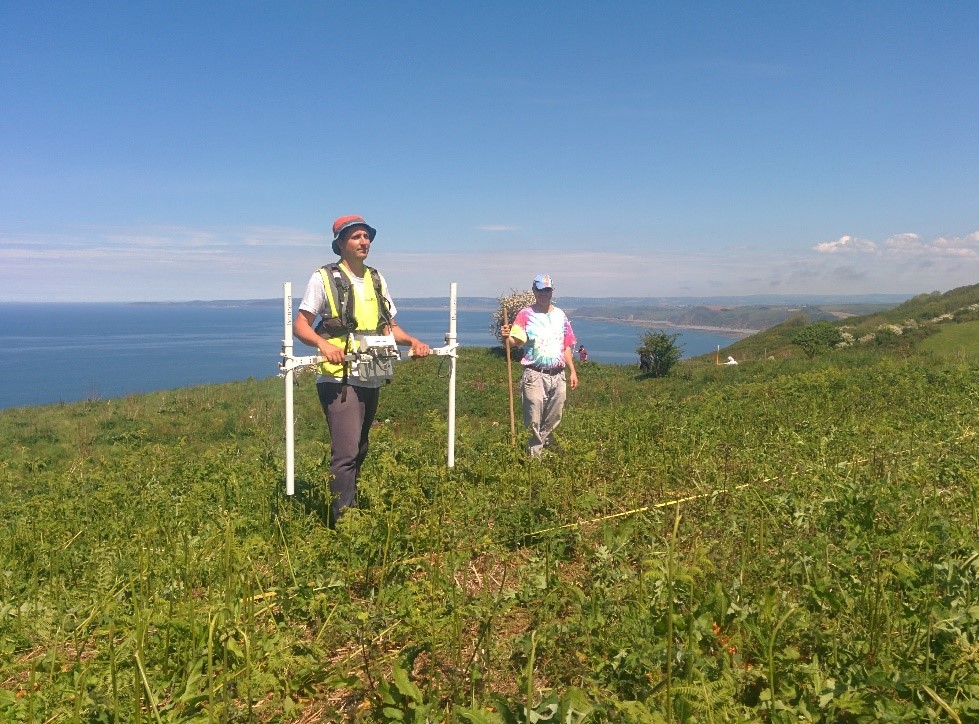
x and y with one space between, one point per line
350 423
543 394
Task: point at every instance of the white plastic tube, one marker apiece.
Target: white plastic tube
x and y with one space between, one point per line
290 363
290 415
450 340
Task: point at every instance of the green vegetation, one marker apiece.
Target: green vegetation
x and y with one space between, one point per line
817 337
901 329
783 540
658 353
955 340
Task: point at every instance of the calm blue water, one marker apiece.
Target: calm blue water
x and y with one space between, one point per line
52 353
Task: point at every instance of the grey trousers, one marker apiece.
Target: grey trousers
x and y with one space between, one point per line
350 423
543 404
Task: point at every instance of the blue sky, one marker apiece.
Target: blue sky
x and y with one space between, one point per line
200 150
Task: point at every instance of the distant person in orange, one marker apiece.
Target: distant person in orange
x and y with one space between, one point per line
545 334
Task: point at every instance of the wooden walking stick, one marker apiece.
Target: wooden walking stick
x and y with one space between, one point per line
509 379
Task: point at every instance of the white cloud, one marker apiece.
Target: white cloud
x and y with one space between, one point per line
906 246
575 273
177 263
497 228
963 246
279 236
912 245
181 237
845 244
904 242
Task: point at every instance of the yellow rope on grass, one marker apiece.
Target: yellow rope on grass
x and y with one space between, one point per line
966 435
640 510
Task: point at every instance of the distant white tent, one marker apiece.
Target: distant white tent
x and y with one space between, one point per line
731 361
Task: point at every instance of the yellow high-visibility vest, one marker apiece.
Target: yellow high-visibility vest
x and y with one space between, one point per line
366 313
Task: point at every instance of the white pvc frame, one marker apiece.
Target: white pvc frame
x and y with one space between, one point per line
290 363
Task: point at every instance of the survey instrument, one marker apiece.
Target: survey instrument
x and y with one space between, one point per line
376 350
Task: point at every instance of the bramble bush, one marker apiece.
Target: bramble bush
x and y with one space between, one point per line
817 337
658 353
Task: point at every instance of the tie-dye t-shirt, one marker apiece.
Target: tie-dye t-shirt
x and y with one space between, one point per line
545 336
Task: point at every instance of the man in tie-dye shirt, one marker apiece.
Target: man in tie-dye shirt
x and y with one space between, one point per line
545 333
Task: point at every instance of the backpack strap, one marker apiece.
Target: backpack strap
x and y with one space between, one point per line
340 320
383 308
339 295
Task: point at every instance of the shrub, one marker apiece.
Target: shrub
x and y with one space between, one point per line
658 353
817 337
886 333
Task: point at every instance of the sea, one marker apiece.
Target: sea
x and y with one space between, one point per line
54 353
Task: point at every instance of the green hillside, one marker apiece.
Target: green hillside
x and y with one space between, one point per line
789 540
731 316
750 317
931 317
954 340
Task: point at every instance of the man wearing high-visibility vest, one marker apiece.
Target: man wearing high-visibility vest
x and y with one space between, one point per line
352 302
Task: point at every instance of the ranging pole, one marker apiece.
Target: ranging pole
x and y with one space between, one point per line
450 342
450 350
290 417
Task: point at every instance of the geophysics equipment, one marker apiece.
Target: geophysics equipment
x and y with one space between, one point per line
377 353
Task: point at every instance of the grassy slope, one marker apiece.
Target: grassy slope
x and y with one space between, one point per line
956 340
823 563
922 313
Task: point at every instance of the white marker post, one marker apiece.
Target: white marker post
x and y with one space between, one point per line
290 415
450 351
379 347
450 342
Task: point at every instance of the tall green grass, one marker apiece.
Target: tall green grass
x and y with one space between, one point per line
822 562
959 341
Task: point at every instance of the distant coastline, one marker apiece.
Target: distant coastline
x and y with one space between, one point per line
651 323
421 305
569 303
733 318
470 304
